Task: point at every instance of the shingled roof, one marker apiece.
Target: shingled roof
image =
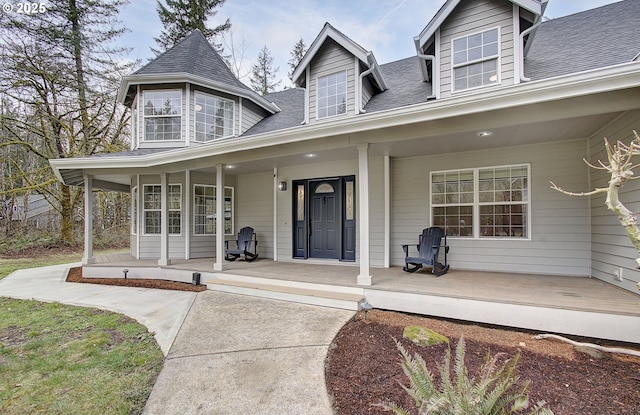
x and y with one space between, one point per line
592 39
193 55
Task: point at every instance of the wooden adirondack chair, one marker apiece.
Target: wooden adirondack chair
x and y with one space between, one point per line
246 238
429 244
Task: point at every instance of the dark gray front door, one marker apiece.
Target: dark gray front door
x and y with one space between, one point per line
325 220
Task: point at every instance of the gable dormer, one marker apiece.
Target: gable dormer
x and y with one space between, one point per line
477 44
188 96
338 75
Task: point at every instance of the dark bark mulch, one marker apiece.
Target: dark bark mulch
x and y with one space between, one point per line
363 367
75 275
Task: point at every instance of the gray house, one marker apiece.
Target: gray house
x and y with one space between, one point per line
360 156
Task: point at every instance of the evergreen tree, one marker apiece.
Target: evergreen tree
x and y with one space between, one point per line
181 17
299 49
263 74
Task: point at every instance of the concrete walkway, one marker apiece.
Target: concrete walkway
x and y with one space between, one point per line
225 353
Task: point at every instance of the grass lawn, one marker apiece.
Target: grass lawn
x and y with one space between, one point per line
58 359
8 265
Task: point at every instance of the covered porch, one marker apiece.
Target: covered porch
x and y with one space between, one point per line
580 306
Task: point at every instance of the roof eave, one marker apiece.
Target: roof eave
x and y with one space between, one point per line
326 32
617 77
532 5
130 80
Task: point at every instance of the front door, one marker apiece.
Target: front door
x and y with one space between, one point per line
325 224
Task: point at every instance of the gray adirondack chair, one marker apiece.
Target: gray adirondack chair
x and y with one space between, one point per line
429 244
246 238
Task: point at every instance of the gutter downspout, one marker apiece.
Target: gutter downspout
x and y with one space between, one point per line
432 59
362 75
521 46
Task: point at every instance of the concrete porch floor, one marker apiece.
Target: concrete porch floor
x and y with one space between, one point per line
571 305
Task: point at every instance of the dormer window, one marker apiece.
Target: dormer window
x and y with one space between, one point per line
475 60
213 117
162 115
332 94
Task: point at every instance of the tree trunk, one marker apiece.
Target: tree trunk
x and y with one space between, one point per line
66 213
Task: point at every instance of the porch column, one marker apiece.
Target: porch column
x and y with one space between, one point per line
164 220
219 264
364 278
275 213
387 211
88 257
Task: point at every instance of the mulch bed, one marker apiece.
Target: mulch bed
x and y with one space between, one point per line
363 367
75 275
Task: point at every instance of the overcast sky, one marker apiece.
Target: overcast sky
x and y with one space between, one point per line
385 27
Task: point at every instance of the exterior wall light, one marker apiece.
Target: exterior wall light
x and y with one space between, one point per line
282 186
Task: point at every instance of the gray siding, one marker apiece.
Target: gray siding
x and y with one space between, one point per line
331 58
251 115
473 16
376 211
254 207
367 90
611 248
560 237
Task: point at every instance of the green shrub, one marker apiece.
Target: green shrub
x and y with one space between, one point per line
496 391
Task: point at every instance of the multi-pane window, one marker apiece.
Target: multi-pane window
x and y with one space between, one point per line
204 205
175 209
332 94
475 60
213 117
486 202
152 207
162 115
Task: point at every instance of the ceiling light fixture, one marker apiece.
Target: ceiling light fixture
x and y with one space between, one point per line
485 134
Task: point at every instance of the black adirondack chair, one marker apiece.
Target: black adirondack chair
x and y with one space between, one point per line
429 244
246 238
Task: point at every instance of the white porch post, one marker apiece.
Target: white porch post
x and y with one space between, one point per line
364 278
219 264
164 220
187 214
88 257
387 211
275 213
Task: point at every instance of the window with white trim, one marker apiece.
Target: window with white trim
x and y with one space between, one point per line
332 94
152 209
213 117
204 210
483 203
475 60
162 115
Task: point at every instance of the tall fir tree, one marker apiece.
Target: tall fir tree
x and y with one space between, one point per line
263 74
181 17
299 49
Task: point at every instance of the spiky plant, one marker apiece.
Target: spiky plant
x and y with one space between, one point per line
496 391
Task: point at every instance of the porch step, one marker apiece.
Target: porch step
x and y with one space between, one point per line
292 292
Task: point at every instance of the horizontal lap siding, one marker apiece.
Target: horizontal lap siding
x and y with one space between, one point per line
251 115
331 58
560 238
611 248
254 208
474 16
